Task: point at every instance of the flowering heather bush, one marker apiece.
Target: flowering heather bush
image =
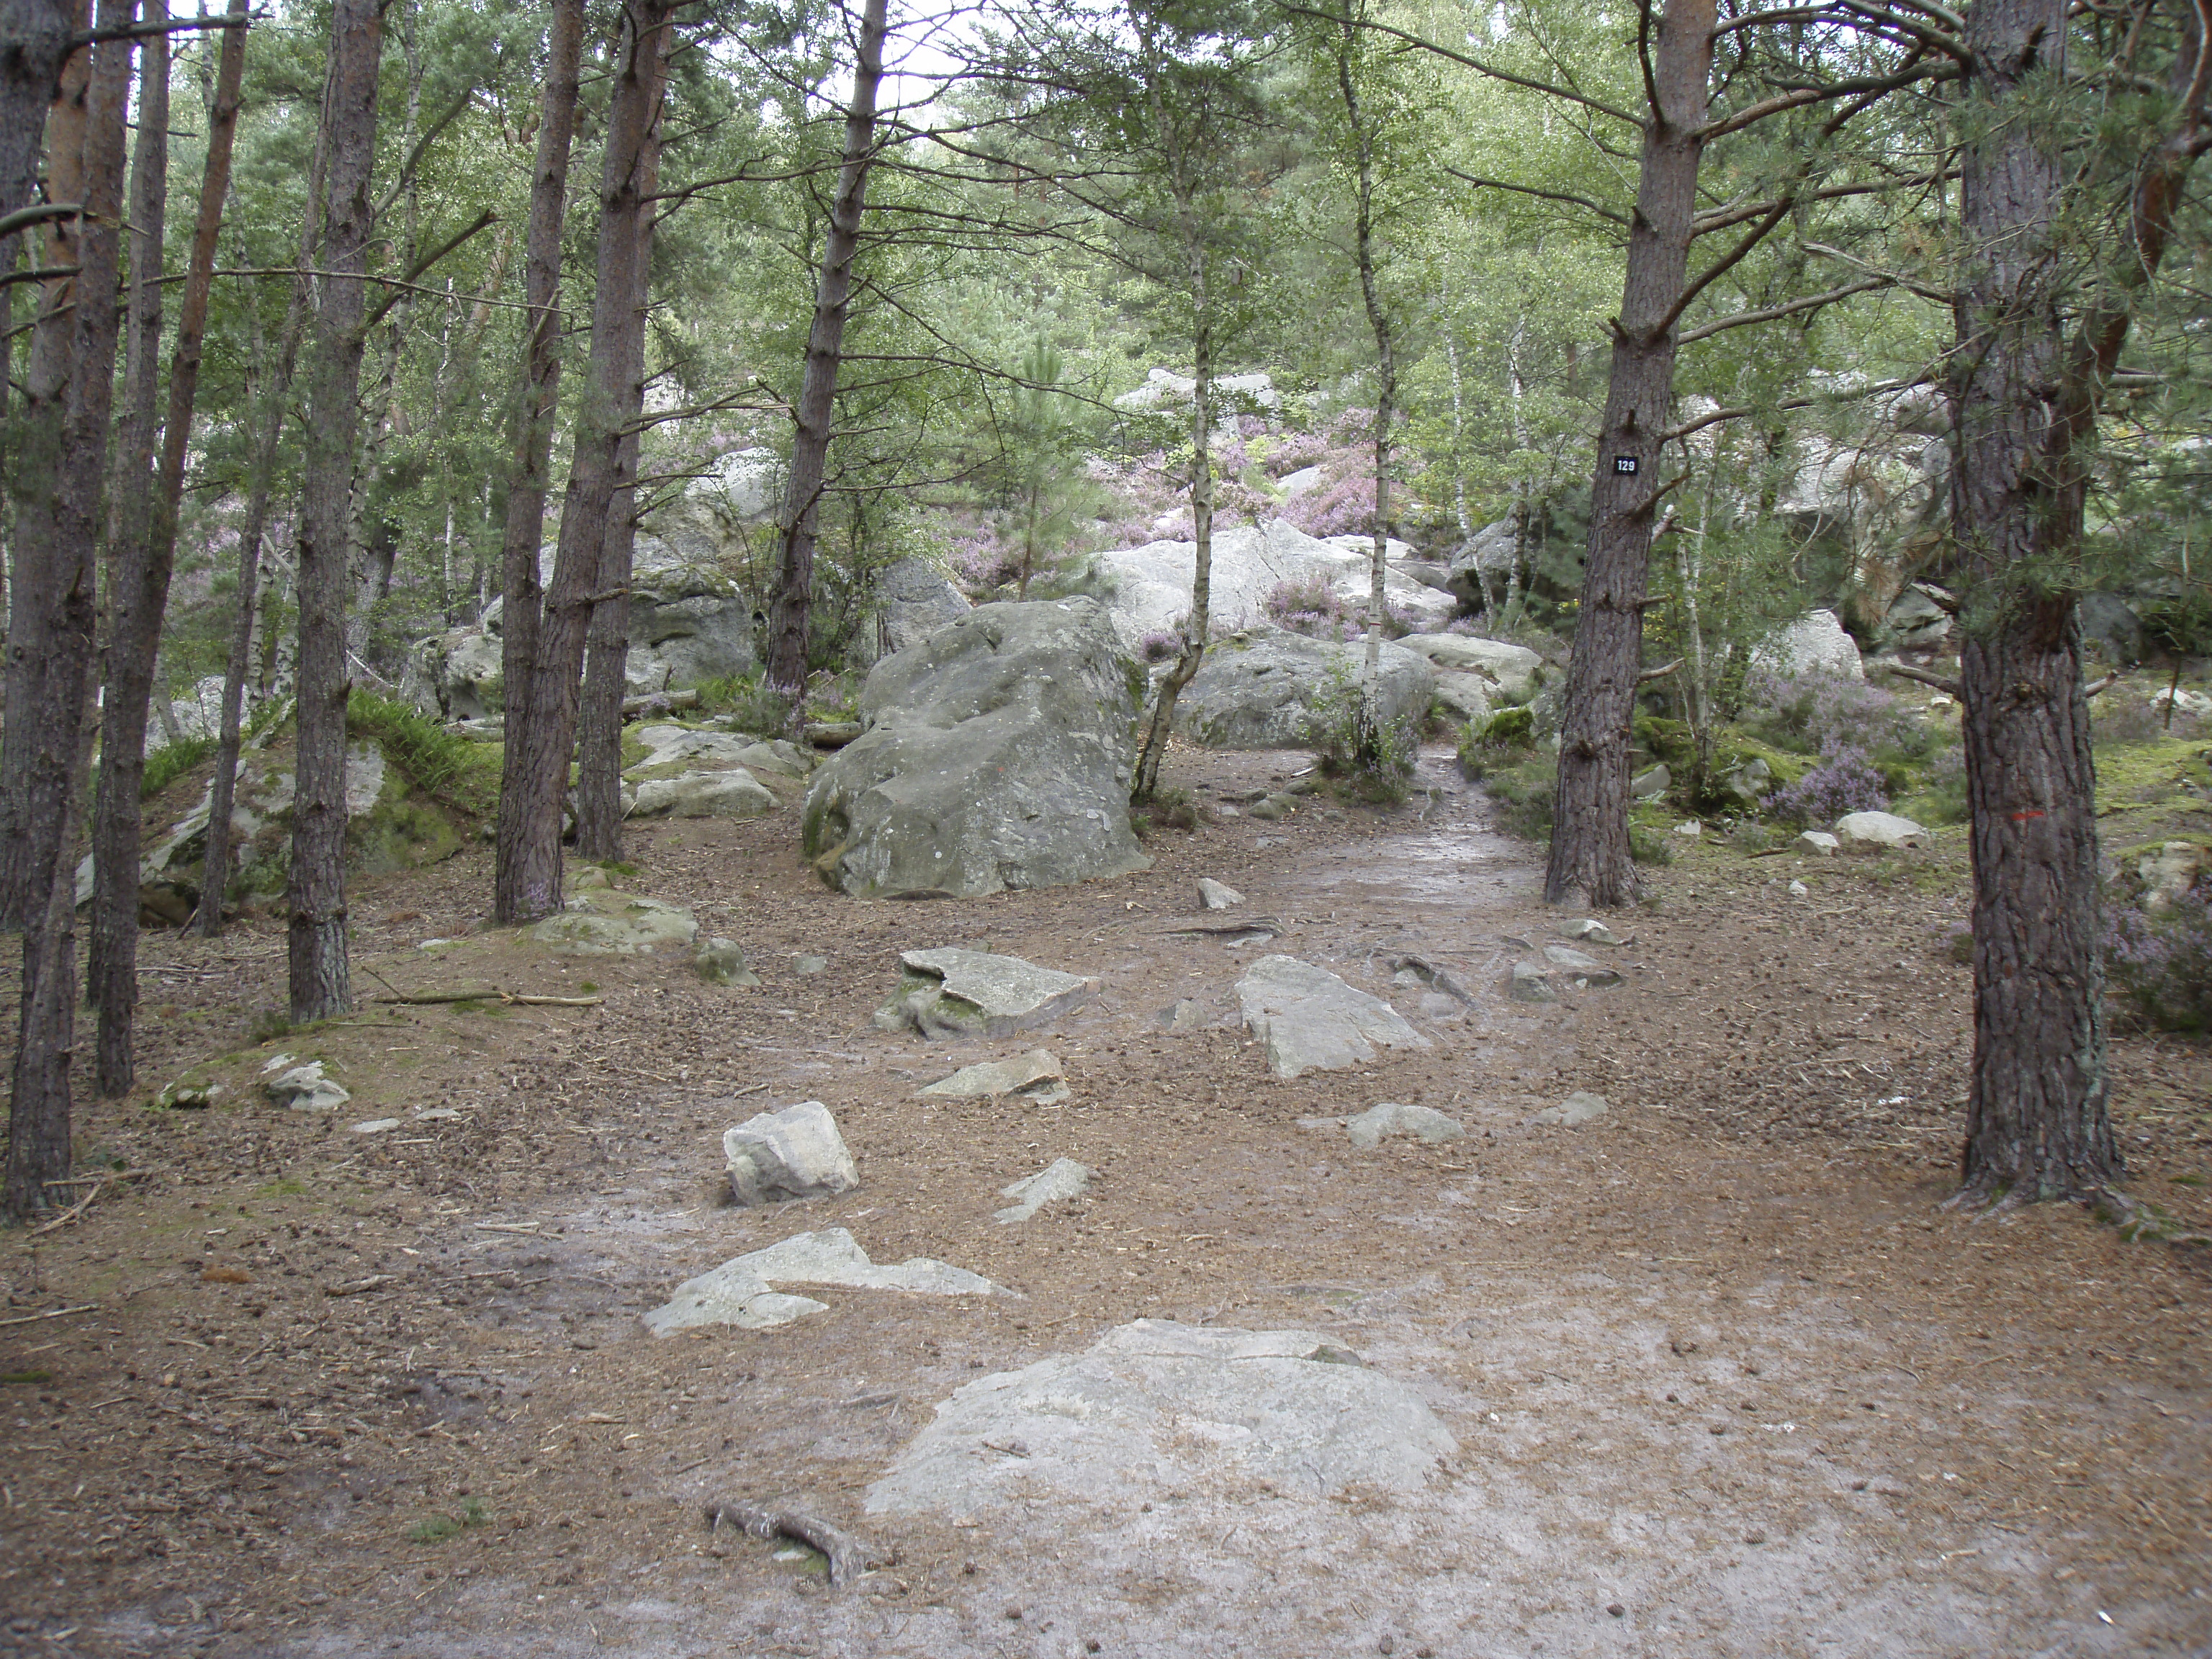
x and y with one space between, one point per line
2160 968
1309 606
1827 710
1844 781
1160 645
981 561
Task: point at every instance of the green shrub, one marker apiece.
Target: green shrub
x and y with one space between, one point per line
1496 741
752 707
452 770
1648 846
1523 792
440 1528
1370 759
171 762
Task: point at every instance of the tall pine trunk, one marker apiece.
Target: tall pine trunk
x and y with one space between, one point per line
528 877
2025 403
68 503
271 397
599 737
1589 855
521 600
321 984
1371 744
138 593
815 417
35 475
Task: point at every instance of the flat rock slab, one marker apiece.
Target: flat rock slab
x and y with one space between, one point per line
741 1291
1578 1107
1157 1406
1880 829
1590 931
1062 1178
1530 983
1311 1020
796 1152
1423 1123
604 923
1582 968
973 993
734 793
1034 1076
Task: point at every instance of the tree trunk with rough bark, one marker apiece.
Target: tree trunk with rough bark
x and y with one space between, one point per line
270 398
1589 855
68 504
815 417
138 593
2025 401
528 877
321 976
34 475
599 734
521 596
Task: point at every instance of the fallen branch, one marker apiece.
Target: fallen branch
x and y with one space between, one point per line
491 993
849 1556
50 1312
2105 684
1658 673
1950 688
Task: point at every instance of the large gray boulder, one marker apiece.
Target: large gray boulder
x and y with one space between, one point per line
915 600
1155 1405
997 754
1487 554
796 1152
1150 585
1514 670
1311 1020
1814 644
1262 695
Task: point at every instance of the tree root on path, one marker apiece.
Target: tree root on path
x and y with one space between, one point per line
849 1556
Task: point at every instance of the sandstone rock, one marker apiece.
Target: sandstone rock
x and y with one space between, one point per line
377 1125
1423 1123
1489 552
1419 970
184 1096
689 748
1814 644
998 755
915 600
735 794
1514 669
306 1089
1799 890
1034 1076
1647 786
2194 704
1879 829
1582 968
1748 783
1818 843
1182 1018
2169 872
720 962
1577 1108
1155 1405
1263 694
1063 1178
1311 1020
1591 932
1529 983
1690 828
1916 622
805 965
606 923
796 1152
741 1291
1272 808
1468 696
974 994
1150 584
1214 896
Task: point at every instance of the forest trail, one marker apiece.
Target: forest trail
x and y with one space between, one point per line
1722 1377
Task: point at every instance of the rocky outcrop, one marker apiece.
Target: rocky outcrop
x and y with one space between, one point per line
1814 644
1514 670
997 754
1311 1020
1262 694
1150 585
915 600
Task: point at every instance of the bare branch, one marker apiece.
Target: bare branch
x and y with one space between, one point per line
1934 294
1810 302
1742 411
1621 219
1950 688
1698 285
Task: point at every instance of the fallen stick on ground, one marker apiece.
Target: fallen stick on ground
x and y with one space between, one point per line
849 1556
50 1312
492 993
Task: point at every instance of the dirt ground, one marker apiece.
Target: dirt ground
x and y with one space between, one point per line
1725 1377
